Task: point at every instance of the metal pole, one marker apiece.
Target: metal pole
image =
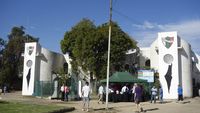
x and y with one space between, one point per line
108 61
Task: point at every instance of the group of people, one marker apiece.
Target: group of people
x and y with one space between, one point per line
155 92
136 91
116 93
65 92
85 93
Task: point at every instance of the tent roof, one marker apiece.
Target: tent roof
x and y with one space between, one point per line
123 77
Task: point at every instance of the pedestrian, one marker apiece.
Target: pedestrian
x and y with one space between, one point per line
153 94
124 92
62 89
160 94
4 89
85 96
180 93
100 94
133 92
66 90
124 89
138 98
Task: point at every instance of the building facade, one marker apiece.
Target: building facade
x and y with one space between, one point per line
176 63
39 77
169 55
39 64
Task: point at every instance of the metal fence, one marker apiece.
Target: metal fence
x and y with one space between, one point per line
43 88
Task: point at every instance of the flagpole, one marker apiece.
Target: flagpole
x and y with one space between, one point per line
108 60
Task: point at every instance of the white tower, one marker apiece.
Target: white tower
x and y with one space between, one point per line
168 64
29 68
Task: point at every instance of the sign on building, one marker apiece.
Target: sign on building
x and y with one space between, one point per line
146 75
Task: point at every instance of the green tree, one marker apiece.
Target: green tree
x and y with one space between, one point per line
12 62
87 45
62 76
2 47
76 42
121 42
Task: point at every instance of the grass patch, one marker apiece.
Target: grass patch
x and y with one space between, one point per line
18 107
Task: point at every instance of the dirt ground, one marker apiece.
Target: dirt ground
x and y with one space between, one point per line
190 105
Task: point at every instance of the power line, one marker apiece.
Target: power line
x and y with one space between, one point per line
126 17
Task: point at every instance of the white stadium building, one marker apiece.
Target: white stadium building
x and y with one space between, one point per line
176 63
169 55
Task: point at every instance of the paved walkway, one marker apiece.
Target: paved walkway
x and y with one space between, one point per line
187 106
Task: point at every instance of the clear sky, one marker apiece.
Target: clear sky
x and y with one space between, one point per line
141 19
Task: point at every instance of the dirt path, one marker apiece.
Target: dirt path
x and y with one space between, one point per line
187 106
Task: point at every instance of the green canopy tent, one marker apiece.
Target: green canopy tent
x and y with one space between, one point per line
123 77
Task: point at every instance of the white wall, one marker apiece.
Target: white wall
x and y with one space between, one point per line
29 68
154 52
185 64
43 63
49 61
183 69
144 55
169 93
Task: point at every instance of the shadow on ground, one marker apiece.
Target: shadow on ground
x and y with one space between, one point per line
3 102
184 102
63 110
152 109
104 110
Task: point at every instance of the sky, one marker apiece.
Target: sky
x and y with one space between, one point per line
48 20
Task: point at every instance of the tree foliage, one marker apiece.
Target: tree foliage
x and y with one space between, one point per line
62 76
87 45
2 46
12 62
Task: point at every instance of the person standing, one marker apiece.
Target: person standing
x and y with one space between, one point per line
138 98
4 89
124 92
124 89
160 94
100 94
133 92
66 89
62 88
85 96
180 93
153 94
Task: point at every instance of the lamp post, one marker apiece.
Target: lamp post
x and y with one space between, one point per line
108 60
